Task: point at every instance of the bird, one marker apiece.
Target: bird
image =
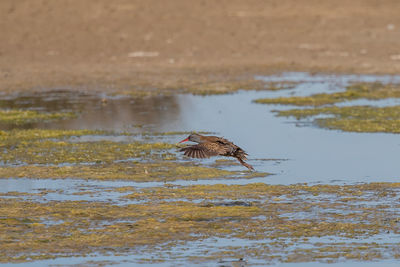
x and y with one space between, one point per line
209 146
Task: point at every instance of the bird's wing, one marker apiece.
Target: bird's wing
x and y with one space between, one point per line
201 151
234 149
221 140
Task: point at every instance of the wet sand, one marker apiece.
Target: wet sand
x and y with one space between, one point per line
124 46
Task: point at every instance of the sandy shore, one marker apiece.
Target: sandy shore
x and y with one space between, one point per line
126 45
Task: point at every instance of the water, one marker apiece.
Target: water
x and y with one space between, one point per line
294 153
126 261
312 154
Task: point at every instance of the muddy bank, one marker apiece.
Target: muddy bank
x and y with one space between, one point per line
131 45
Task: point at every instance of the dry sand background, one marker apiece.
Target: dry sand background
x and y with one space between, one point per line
148 43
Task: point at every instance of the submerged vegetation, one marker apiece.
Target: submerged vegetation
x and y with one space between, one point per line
82 154
276 222
19 117
132 171
231 87
270 223
32 229
371 91
350 118
212 88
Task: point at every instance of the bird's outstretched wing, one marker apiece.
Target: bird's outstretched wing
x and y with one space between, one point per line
201 151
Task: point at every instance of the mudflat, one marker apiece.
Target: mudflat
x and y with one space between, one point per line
131 45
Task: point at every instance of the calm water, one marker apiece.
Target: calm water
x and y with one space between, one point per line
306 153
294 152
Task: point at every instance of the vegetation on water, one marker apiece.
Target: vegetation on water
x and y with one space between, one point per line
276 222
61 154
132 171
211 88
19 117
52 229
355 91
349 118
272 223
352 119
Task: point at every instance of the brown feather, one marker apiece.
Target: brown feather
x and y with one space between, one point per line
199 151
209 146
202 154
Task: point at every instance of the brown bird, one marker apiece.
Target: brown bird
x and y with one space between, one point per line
209 146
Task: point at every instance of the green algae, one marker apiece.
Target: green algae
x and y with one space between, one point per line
19 117
216 88
272 228
56 147
372 91
13 137
58 154
95 227
209 88
133 171
257 191
352 119
280 218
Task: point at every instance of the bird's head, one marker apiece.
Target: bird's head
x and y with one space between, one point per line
193 137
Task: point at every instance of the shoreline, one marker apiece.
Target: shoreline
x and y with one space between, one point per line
137 45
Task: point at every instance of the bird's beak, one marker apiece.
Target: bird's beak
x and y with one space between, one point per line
184 140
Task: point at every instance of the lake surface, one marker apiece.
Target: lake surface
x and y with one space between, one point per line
299 152
294 152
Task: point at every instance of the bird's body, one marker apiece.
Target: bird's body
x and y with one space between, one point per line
209 146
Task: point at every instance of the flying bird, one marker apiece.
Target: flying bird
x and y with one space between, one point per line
209 146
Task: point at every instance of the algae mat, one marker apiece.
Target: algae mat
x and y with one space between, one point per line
93 155
325 223
351 118
99 179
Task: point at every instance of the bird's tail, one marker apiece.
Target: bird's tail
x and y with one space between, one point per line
248 166
239 153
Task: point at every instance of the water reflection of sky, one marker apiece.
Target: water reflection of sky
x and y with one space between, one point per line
310 154
313 154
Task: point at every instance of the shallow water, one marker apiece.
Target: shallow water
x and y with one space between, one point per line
312 154
129 261
293 152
